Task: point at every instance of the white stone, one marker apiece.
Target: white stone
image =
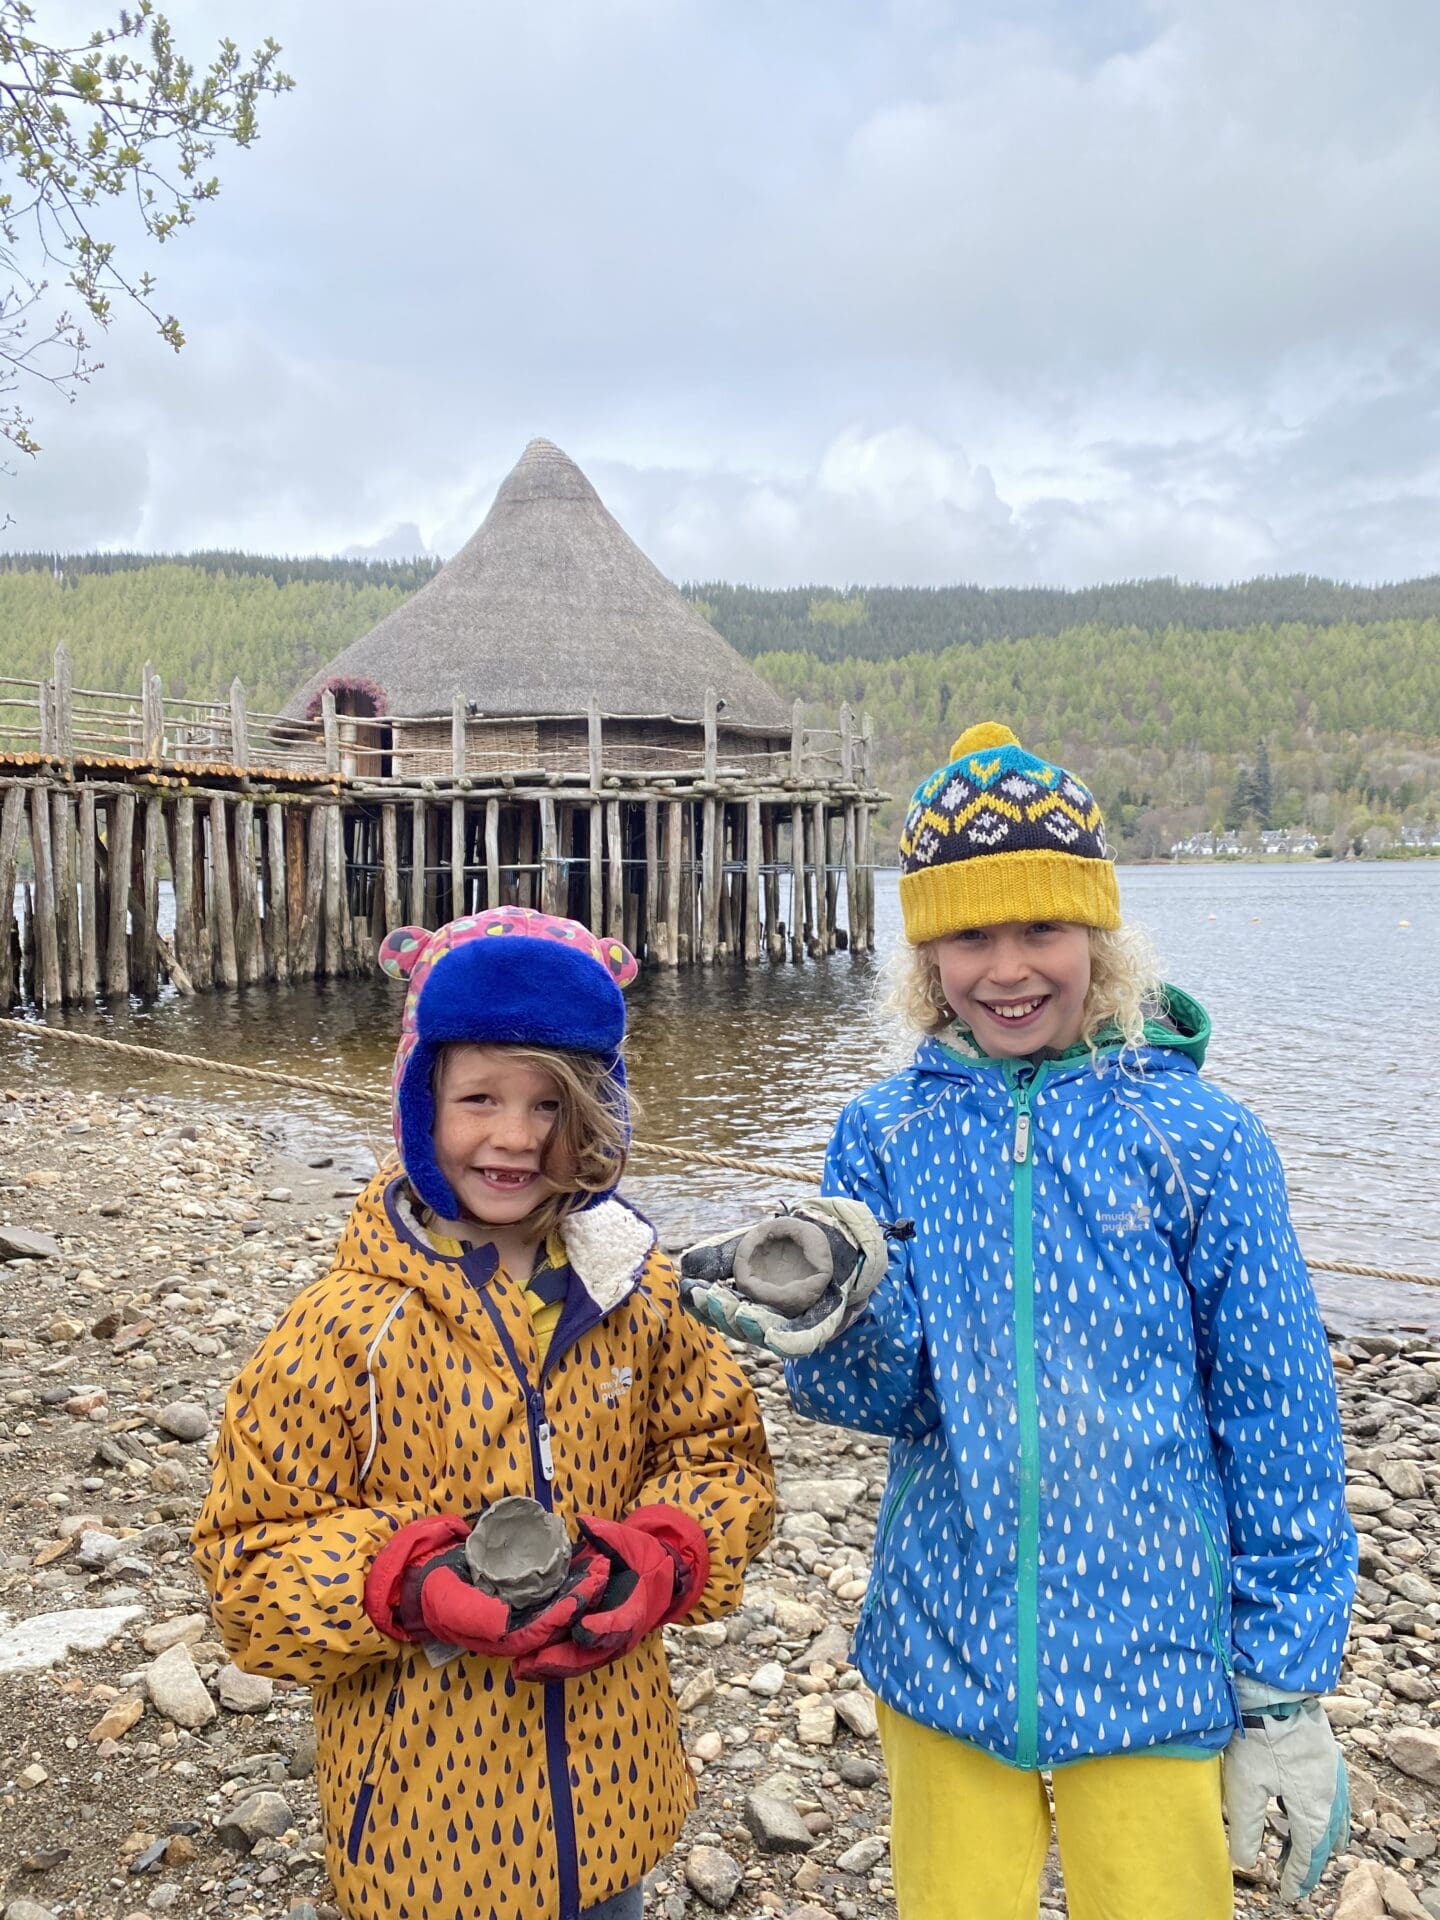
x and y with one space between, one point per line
832 1499
1416 1751
816 1719
176 1689
244 1692
31 1646
768 1680
856 1707
864 1855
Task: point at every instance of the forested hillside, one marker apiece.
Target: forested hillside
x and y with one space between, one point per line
881 623
1279 703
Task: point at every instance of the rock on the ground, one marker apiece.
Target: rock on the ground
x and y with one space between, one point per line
856 1707
1416 1751
244 1692
816 1717
776 1825
20 1243
715 1875
28 1910
832 1499
32 1646
184 1420
190 1627
259 1816
176 1689
864 1855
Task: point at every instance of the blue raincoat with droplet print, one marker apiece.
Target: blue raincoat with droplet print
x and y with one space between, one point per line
1116 1472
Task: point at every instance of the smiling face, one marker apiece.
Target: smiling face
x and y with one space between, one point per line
494 1118
1019 986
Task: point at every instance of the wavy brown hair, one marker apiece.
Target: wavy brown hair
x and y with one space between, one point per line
590 1142
1125 987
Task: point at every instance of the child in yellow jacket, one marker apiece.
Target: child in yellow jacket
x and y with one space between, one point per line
496 1323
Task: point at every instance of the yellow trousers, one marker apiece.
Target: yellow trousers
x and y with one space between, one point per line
1141 1837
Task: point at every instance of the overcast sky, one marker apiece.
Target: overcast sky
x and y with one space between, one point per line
1048 291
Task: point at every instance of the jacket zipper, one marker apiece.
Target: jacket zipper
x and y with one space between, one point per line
360 1820
557 1752
1024 1082
1217 1617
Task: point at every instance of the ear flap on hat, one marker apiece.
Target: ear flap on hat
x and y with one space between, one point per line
400 950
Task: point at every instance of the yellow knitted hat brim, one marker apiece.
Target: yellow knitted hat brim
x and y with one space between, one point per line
987 890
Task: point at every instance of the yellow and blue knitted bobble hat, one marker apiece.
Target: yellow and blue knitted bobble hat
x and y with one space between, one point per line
999 834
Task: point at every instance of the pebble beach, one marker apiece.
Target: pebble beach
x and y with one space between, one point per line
144 1247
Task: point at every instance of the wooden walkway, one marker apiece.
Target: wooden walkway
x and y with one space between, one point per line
293 848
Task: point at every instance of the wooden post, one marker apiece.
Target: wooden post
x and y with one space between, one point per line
247 895
63 848
89 939
147 952
334 949
307 944
853 911
228 966
595 731
847 744
458 902
185 951
117 946
797 741
12 816
152 714
596 920
457 736
797 883
674 863
492 853
614 835
820 860
294 882
390 867
277 916
866 877
45 714
752 880
725 941
712 738
549 857
654 937
47 943
417 863
63 698
774 940
331 729
709 881
239 726
832 884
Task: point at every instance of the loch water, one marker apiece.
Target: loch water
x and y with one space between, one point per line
1322 981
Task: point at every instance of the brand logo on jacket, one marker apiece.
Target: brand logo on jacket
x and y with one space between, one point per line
1124 1215
613 1390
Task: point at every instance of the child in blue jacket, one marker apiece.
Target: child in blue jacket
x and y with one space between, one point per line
1113 1544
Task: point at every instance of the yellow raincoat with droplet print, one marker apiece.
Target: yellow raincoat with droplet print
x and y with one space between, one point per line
407 1383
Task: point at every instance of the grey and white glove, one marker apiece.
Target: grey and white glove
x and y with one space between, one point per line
1285 1748
792 1282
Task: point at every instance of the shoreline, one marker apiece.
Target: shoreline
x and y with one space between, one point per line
179 1237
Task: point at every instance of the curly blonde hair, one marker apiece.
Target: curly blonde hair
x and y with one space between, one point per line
1125 988
590 1143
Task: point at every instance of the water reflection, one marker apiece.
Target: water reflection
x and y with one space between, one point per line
1326 1010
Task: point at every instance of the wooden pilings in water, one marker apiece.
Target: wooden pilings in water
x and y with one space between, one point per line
111 887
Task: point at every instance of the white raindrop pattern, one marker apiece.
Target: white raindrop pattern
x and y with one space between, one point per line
1190 1468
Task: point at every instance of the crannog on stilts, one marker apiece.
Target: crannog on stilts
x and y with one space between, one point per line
547 723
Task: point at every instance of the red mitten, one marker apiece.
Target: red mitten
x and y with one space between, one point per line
418 1588
407 1550
658 1561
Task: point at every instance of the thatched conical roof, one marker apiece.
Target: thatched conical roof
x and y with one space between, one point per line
549 603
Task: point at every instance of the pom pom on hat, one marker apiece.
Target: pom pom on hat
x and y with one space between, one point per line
998 834
989 733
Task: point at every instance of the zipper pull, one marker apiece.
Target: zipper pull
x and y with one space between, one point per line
1021 1151
547 1457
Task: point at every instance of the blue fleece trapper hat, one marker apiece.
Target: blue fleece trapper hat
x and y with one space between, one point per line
507 977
